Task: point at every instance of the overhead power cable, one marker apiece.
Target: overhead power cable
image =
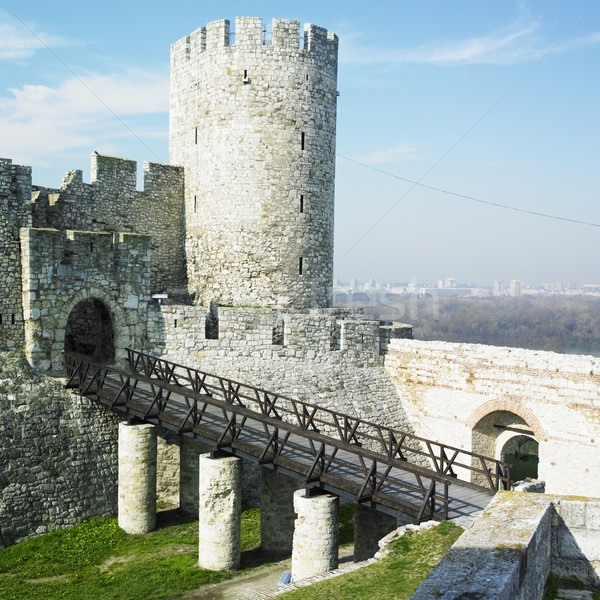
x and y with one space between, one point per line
461 139
466 197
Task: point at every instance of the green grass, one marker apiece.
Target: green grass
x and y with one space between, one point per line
397 576
98 560
523 469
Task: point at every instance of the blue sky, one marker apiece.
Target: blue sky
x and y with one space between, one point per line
493 100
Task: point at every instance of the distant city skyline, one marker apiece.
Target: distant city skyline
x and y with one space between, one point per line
451 286
486 104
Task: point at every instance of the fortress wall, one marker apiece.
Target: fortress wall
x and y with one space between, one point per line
355 383
58 452
448 388
62 268
328 336
254 125
15 191
111 203
517 542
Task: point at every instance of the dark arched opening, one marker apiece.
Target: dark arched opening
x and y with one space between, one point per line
522 452
506 436
90 331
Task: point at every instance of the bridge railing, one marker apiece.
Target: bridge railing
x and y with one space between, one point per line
221 410
447 461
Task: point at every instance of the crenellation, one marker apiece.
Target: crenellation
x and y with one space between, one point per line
286 34
248 32
112 169
217 34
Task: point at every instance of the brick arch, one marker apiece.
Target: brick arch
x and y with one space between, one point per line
509 406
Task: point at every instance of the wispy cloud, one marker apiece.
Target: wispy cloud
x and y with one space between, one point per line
17 42
37 121
387 155
517 43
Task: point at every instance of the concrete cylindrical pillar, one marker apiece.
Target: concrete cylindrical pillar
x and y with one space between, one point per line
370 526
137 477
219 513
190 450
277 511
315 535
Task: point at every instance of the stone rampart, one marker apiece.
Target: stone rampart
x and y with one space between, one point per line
15 189
476 397
111 203
58 454
517 542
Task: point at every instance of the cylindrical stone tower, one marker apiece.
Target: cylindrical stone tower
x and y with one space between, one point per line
252 120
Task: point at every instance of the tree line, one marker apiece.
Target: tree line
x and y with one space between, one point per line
556 323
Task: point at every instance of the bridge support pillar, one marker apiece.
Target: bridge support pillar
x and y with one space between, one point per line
190 450
137 477
277 511
315 534
370 526
219 514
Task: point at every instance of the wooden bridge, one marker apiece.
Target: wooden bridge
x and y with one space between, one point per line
391 470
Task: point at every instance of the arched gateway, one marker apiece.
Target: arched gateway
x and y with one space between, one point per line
90 331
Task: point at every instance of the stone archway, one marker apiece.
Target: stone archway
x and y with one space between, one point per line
500 433
89 330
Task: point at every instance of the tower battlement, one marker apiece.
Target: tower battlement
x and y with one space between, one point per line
251 34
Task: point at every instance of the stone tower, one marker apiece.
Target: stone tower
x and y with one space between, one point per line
252 120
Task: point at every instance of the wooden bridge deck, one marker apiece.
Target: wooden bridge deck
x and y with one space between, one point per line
327 450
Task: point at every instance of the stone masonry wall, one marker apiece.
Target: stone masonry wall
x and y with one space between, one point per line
58 454
448 389
304 367
111 203
516 543
63 268
15 190
253 123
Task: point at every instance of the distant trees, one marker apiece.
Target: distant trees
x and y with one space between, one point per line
547 323
556 323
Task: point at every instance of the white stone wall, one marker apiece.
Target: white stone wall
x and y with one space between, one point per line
254 127
446 389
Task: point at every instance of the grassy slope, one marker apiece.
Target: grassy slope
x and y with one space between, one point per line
99 560
396 576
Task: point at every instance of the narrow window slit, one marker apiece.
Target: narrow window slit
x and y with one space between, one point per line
195 203
195 135
301 203
91 247
300 265
303 140
12 319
